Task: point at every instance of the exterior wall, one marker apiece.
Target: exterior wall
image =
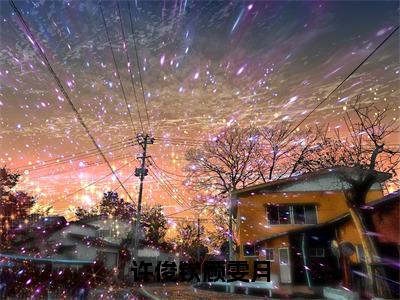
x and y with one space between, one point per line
387 224
254 225
347 232
325 193
280 242
82 251
119 228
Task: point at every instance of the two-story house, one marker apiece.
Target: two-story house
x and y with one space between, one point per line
76 243
292 222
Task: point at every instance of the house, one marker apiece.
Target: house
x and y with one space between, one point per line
61 243
296 222
88 239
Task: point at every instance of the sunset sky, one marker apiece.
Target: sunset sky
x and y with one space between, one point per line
204 65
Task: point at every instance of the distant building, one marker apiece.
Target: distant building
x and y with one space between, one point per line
63 243
89 239
296 222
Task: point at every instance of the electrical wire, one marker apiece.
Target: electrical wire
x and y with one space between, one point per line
129 65
200 142
116 66
97 181
63 91
167 189
343 81
60 162
93 164
74 156
170 185
138 63
125 180
164 171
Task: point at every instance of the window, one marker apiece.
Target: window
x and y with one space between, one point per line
269 254
292 214
273 214
284 214
248 250
299 214
278 214
310 214
317 252
104 233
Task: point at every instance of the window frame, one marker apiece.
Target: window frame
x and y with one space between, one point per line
273 254
102 231
305 215
316 252
291 213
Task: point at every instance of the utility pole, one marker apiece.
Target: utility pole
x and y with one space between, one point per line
142 172
230 240
198 238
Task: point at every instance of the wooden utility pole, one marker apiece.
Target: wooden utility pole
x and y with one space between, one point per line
230 240
198 238
142 172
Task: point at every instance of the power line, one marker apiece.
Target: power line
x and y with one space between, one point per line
129 65
60 162
58 81
125 180
189 208
170 185
343 81
54 162
178 212
165 188
180 143
181 140
138 63
75 156
63 162
164 171
116 67
95 182
92 164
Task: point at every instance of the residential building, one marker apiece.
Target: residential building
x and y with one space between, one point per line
54 240
88 239
296 222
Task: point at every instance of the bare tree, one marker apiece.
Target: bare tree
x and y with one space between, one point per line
282 150
219 236
187 240
365 150
276 145
224 165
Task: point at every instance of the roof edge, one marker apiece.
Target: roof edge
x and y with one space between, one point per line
273 185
